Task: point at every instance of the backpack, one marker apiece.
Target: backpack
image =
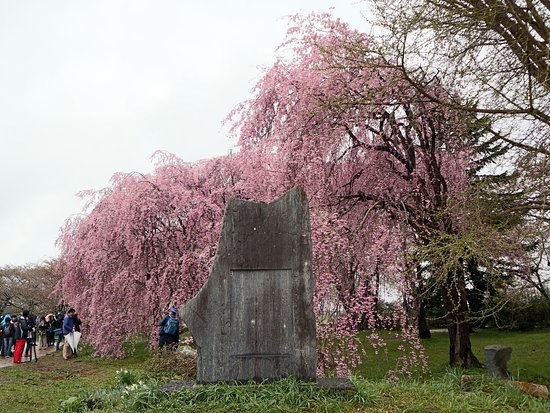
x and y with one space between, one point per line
23 326
171 326
8 330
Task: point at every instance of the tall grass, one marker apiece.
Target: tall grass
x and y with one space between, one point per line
434 395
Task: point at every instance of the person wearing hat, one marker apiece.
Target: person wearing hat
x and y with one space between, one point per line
169 334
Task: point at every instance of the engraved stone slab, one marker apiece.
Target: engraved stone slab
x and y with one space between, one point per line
253 319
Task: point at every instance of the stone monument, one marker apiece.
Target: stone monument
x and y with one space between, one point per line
254 319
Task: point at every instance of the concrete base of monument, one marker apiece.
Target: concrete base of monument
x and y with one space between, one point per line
336 383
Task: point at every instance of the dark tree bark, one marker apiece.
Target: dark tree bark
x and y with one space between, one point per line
422 321
456 309
423 326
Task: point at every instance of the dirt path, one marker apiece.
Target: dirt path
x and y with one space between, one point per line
6 362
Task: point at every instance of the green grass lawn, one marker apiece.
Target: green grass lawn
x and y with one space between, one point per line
39 386
530 360
89 384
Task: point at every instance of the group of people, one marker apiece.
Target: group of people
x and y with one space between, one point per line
20 334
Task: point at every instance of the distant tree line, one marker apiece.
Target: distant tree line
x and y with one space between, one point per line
29 287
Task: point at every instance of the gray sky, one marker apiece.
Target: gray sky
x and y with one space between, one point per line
91 88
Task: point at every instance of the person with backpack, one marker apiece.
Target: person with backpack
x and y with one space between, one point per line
8 331
169 330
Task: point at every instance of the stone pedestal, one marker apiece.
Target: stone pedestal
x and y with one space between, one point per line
496 358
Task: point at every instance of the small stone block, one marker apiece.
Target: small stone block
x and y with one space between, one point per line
496 358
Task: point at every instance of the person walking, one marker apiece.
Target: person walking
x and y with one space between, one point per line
169 334
68 328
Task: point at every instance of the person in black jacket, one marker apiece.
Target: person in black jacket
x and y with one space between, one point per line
50 318
22 331
31 333
57 325
43 332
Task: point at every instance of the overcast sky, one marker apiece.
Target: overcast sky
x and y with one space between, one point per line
89 88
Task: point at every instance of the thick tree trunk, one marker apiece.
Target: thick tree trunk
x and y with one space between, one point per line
422 321
371 319
423 327
456 308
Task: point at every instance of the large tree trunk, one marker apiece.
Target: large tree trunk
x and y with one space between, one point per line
422 321
423 327
456 309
